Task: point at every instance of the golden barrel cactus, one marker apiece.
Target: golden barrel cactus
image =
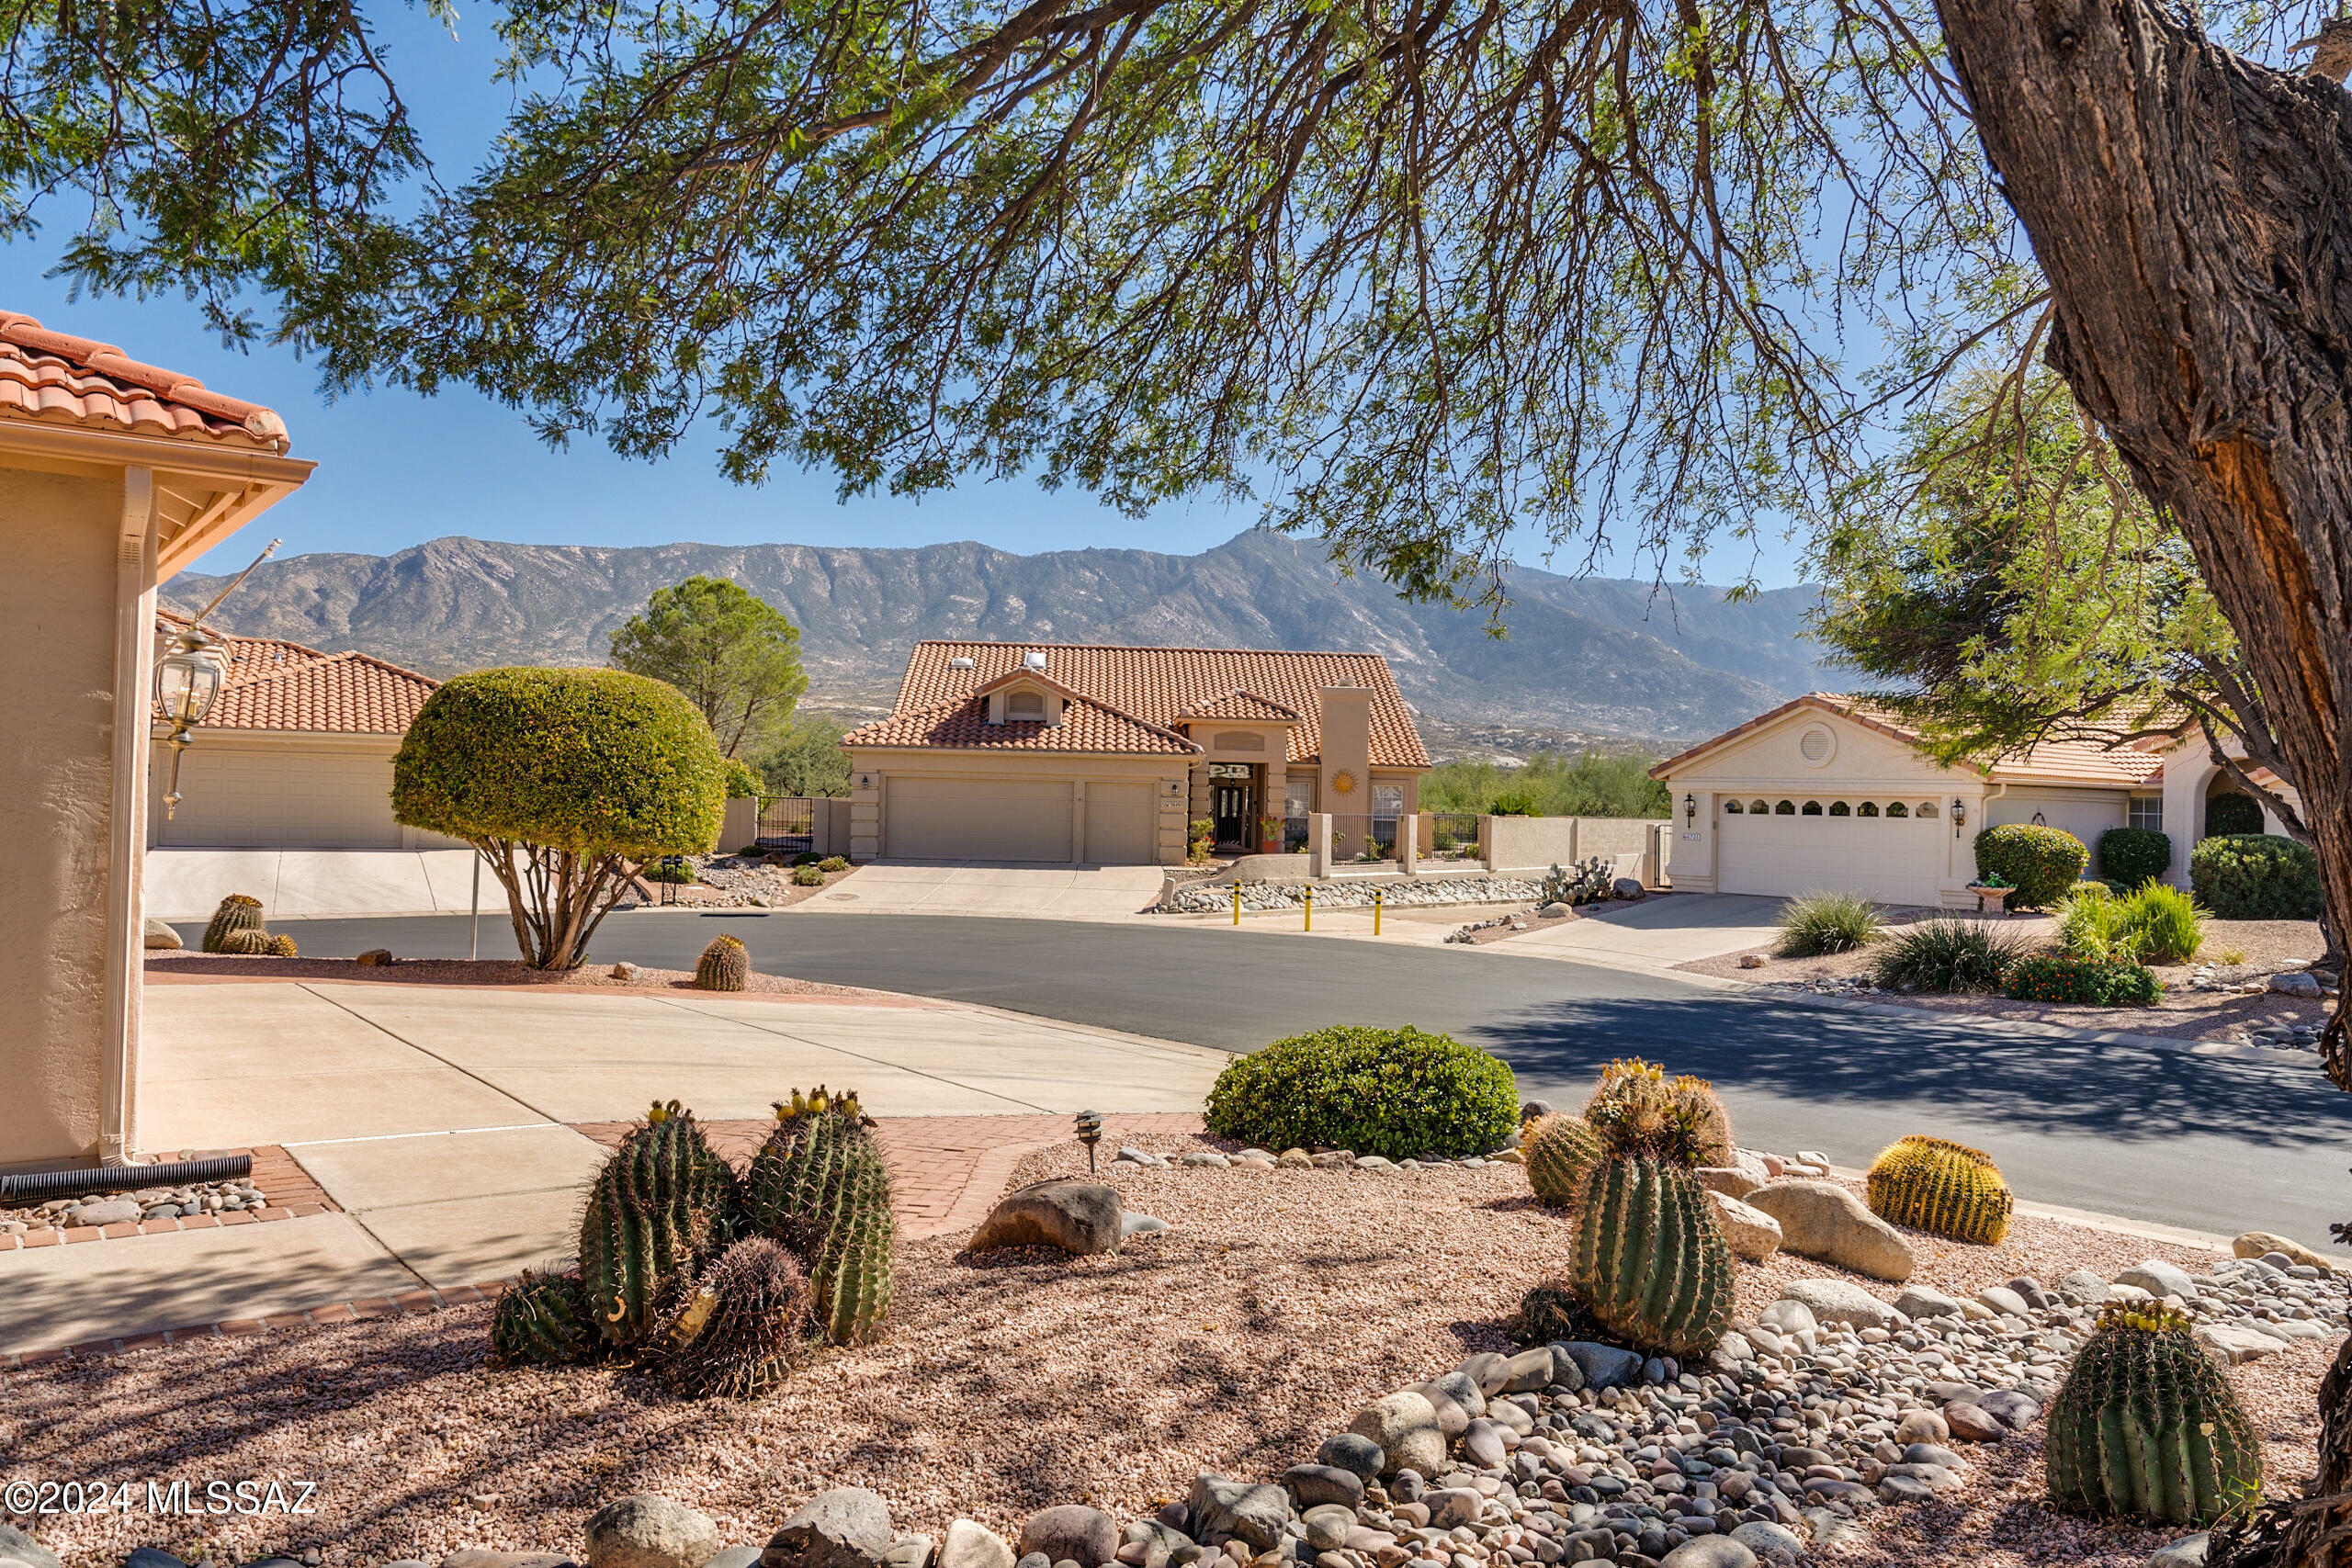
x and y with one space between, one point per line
1945 1189
1559 1150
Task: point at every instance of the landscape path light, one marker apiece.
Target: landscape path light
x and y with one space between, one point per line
1089 1133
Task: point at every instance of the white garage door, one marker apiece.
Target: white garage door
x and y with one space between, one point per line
1121 825
1895 860
995 820
277 800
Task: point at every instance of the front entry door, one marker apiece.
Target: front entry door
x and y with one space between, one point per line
1234 808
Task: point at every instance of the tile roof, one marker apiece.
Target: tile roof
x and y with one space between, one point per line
1086 726
1160 687
60 378
1240 705
276 684
2051 762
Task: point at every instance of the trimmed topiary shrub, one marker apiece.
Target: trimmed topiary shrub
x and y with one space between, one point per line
1815 923
2232 816
2130 856
2091 982
1394 1092
1946 954
2256 876
562 777
2041 863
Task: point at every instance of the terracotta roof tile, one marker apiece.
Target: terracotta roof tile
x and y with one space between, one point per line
276 684
2075 760
60 378
1086 726
1161 686
1238 706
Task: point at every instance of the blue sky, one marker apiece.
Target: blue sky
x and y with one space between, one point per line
396 469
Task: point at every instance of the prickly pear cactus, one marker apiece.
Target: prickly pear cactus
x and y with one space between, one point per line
664 1205
1945 1189
1560 1150
543 1320
725 965
238 912
734 1337
819 1186
2147 1427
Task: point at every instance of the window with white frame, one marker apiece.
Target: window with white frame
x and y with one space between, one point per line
1388 800
2146 811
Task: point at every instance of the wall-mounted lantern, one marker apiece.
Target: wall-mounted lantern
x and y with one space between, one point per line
1690 810
188 679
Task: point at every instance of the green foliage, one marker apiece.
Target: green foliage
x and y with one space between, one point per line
733 654
1200 839
2256 876
661 1208
819 1186
238 912
1559 1150
736 1336
1394 1092
741 782
1815 923
543 1320
2040 863
1649 1259
558 776
2163 924
2234 815
2129 856
833 862
725 965
1593 783
2088 982
1946 955
2091 923
2146 1427
811 875
806 760
679 872
1945 1189
1589 883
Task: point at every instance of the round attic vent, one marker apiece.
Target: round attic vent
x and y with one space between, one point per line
1816 746
960 663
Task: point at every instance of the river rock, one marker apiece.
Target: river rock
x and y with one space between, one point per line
1841 1301
1969 1422
1352 1452
2237 1345
2188 1551
1926 1301
1822 1220
1602 1366
16 1544
1316 1485
1710 1551
848 1527
2159 1278
1753 1234
1252 1513
648 1530
1405 1427
970 1544
160 938
1078 1216
1072 1532
1530 1371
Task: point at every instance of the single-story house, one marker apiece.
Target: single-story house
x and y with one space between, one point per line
1832 793
296 754
1067 753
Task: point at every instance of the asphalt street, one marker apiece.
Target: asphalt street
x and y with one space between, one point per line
2155 1134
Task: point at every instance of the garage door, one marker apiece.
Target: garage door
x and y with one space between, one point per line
994 820
277 800
1895 860
1121 825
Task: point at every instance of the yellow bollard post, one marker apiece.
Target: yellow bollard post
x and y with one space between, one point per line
1236 903
1375 911
1310 909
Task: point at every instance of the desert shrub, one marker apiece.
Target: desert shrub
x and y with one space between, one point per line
559 777
675 872
2130 856
2256 876
1947 954
1815 923
1518 803
808 876
806 857
2091 923
2166 925
2092 981
1396 1092
2040 863
833 862
2231 816
1550 783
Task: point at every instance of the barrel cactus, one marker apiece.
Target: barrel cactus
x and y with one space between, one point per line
819 1186
1944 1188
542 1320
1649 1260
662 1206
254 943
725 965
735 1336
1559 1152
282 946
2147 1427
238 912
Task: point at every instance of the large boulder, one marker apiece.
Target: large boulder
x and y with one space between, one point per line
2159 1278
1071 1533
1405 1426
2254 1244
848 1527
17 1544
969 1544
650 1532
161 938
1824 1221
1254 1515
1753 1234
1841 1301
1077 1217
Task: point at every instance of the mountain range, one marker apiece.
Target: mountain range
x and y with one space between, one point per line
1584 660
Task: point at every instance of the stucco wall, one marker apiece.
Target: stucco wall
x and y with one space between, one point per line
56 776
1538 843
2085 813
871 769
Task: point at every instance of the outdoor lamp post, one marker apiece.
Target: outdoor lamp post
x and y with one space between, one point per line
187 681
1089 1133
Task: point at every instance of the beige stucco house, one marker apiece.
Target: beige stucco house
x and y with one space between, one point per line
114 475
1829 792
1066 754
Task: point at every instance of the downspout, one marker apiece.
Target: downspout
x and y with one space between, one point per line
126 910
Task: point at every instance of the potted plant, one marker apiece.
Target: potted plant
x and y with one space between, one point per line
1993 888
1270 834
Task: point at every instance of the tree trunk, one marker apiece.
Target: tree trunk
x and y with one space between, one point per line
2191 211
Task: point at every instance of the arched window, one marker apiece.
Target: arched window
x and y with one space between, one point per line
1786 808
1838 808
1812 808
1757 808
1926 809
1867 809
1731 808
1896 809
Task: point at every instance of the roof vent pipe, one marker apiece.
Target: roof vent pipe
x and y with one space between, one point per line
961 661
1034 658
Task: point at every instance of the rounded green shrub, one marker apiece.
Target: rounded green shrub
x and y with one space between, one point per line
2130 856
1394 1092
2088 982
2232 816
833 862
2256 876
2040 863
741 783
808 876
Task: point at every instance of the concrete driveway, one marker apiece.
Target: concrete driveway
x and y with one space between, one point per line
1660 933
973 887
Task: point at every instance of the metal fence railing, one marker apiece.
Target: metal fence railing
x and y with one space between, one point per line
789 823
1358 839
1450 835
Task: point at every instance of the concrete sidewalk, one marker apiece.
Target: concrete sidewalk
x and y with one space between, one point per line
971 887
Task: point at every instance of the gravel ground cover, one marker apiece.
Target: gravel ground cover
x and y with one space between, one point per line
736 882
1355 893
197 968
1278 1302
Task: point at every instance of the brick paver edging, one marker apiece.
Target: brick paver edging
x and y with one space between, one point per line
293 1196
408 1302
